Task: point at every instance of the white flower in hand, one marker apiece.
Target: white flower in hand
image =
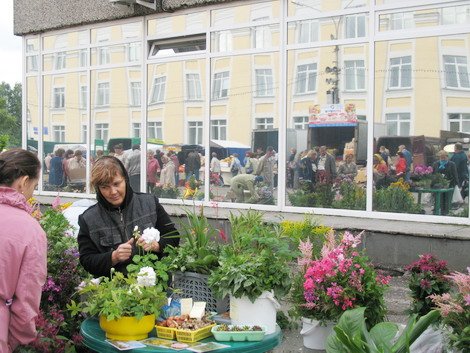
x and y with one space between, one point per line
146 277
150 235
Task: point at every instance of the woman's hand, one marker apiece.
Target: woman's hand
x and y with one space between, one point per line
153 246
123 252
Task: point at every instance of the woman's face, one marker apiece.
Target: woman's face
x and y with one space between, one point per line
115 191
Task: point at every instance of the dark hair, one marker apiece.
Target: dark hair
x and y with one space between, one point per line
69 153
105 169
458 146
16 163
60 152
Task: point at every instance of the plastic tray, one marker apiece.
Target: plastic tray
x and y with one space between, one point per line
165 332
238 336
190 336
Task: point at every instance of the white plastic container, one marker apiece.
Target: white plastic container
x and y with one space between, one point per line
314 335
262 312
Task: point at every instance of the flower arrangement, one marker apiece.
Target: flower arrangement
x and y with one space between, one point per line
455 310
166 191
192 186
341 279
428 276
421 170
396 198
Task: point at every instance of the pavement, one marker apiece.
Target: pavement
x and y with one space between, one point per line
397 301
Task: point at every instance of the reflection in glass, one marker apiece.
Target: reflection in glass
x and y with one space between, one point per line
32 116
421 87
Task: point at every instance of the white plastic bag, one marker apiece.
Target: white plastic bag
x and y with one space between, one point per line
457 196
430 341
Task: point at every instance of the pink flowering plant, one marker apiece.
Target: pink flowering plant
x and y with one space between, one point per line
422 170
427 276
341 278
455 310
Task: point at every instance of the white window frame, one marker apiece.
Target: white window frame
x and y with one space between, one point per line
401 72
84 132
398 119
264 82
135 89
83 96
308 72
401 20
220 85
155 130
357 73
219 129
459 14
58 97
102 131
308 31
136 130
356 33
83 57
58 133
300 122
103 94
133 52
264 123
195 132
60 62
103 56
462 118
158 90
193 86
459 69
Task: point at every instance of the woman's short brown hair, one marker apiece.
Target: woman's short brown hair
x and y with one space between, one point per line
16 163
105 169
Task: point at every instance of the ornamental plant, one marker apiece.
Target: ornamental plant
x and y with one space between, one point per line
341 278
421 170
428 276
454 307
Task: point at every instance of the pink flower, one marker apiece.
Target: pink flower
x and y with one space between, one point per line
222 235
425 284
56 202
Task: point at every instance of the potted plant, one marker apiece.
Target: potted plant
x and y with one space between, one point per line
352 335
195 258
422 176
340 279
455 310
253 270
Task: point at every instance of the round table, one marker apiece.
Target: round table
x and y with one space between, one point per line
95 339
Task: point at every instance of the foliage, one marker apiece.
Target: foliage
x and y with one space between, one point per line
198 251
166 191
455 310
342 278
439 181
350 196
10 113
427 277
191 189
308 228
4 140
396 198
113 297
302 197
351 334
255 260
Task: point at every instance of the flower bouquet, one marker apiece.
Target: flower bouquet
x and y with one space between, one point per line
341 279
422 176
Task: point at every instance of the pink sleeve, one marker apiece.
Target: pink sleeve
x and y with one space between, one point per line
25 307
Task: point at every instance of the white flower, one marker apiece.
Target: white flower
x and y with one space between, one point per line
81 286
95 281
136 228
151 234
146 277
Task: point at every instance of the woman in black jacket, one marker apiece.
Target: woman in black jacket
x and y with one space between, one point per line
105 239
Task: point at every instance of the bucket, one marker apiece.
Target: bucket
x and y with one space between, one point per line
262 312
315 335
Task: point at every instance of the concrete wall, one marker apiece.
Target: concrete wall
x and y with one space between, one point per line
33 16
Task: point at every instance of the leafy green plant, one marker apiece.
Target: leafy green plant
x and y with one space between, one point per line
199 249
350 196
351 334
395 198
255 260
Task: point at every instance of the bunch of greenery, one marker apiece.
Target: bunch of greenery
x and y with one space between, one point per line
303 196
439 181
428 276
396 198
254 260
324 195
351 334
308 228
199 249
350 196
166 191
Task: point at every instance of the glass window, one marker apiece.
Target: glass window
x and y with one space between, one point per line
155 130
456 15
178 45
193 87
102 94
355 26
83 97
135 94
456 71
400 72
58 133
264 123
83 58
355 75
261 37
59 97
459 122
221 41
264 82
60 60
220 85
84 133
398 124
158 90
402 20
135 129
133 52
306 78
219 129
308 31
103 56
195 132
300 122
102 131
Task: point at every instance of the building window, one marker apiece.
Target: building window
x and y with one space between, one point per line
261 37
193 87
398 124
83 60
103 56
306 78
401 20
155 130
84 132
264 123
400 72
195 132
59 97
220 86
223 41
456 71
83 97
135 94
219 129
133 52
308 31
102 94
355 26
264 82
101 131
300 122
158 90
135 129
355 75
459 122
456 15
58 133
60 60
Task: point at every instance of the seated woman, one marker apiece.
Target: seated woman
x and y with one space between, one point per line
105 236
348 168
380 171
